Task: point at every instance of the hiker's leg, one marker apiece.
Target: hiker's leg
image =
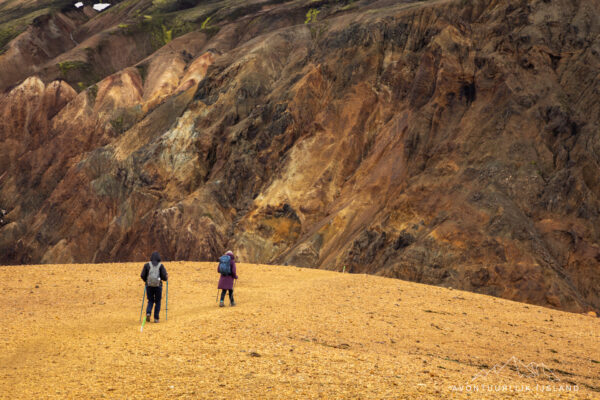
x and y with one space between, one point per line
231 296
223 291
157 299
150 295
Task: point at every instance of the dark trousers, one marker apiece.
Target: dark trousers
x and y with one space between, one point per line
230 295
154 295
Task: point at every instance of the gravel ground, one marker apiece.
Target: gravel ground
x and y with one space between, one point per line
73 331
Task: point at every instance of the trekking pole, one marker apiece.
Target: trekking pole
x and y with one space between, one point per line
143 297
167 304
217 299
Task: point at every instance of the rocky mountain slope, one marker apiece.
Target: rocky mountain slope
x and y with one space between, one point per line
73 332
450 142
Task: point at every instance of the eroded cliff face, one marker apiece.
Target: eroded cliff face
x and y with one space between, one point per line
448 142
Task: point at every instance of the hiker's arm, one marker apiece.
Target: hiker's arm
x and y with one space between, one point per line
163 273
144 274
233 269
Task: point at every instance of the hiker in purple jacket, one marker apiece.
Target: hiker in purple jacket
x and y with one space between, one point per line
226 281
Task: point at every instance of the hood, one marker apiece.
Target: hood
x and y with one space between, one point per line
155 258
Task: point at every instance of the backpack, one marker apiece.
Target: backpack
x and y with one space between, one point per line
225 265
153 279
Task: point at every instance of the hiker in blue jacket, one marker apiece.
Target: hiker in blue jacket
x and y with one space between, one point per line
226 280
153 274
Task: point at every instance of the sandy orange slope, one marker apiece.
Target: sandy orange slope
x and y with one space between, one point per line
72 331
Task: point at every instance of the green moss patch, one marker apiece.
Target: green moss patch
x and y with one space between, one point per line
67 66
79 74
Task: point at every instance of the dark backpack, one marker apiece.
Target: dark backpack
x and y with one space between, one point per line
225 265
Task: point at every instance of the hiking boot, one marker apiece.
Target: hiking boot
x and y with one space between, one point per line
221 304
156 320
232 304
147 318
